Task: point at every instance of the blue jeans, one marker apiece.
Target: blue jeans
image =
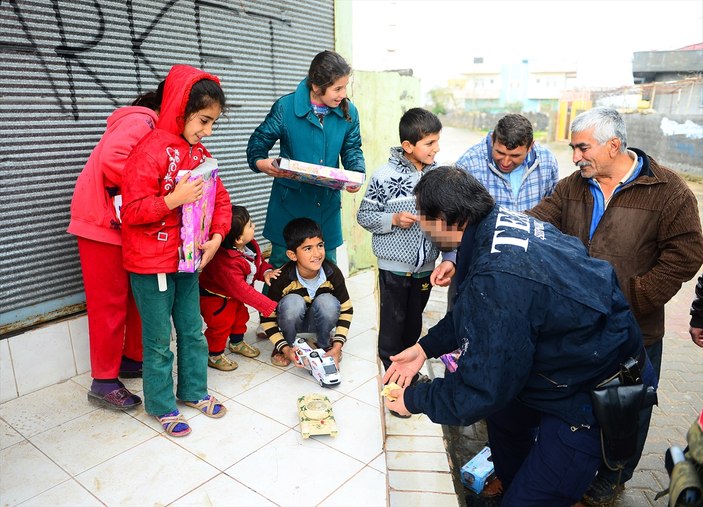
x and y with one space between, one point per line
321 318
552 470
180 301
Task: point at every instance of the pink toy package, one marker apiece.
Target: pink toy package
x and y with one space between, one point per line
332 177
196 217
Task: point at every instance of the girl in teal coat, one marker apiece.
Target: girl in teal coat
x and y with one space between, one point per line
316 124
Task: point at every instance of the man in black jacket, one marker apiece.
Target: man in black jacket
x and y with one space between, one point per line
540 325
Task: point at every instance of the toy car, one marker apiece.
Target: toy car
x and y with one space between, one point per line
321 367
315 413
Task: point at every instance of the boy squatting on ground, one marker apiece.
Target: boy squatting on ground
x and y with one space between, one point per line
406 257
311 294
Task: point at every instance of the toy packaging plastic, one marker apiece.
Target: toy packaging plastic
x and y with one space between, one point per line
315 413
477 471
320 175
196 217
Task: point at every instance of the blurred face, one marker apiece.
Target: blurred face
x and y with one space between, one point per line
200 124
446 237
592 158
508 160
309 256
334 94
247 234
423 152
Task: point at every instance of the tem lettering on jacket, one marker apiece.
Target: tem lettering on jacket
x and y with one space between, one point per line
508 223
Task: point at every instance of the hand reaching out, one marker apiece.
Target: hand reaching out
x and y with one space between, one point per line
405 365
271 274
442 274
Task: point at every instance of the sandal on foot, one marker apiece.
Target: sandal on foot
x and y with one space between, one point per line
244 349
209 406
260 333
174 424
279 359
221 363
119 399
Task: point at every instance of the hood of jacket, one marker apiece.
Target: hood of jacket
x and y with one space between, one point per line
179 82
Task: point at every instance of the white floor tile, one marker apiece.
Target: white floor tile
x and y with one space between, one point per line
362 284
417 461
359 430
418 424
66 494
8 387
154 473
26 472
280 470
278 397
223 442
421 481
369 392
367 488
415 499
31 372
415 443
379 463
355 372
363 345
91 439
80 340
222 491
250 373
8 436
38 411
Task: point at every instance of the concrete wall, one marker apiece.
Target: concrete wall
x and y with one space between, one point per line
382 98
674 141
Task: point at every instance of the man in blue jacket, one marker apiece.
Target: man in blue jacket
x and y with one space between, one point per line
540 324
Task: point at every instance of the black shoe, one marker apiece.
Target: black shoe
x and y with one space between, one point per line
420 379
400 416
129 368
601 492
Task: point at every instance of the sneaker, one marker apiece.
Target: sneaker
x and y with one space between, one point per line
221 362
601 492
244 349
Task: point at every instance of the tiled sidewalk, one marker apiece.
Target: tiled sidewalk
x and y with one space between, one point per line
57 449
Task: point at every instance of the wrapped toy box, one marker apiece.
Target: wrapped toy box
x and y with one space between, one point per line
321 175
477 471
196 217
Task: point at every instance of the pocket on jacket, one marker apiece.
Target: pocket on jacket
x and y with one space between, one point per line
152 243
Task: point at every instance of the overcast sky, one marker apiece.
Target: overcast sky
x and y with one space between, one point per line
439 39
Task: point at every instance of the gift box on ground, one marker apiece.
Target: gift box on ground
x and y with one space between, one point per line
196 217
477 471
332 177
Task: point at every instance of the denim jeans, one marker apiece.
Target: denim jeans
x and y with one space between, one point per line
180 301
321 318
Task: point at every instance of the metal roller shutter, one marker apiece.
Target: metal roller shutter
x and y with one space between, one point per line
68 64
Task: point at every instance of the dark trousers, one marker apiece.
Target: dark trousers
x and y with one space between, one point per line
552 467
403 299
614 477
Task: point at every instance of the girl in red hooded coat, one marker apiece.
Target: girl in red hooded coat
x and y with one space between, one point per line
151 218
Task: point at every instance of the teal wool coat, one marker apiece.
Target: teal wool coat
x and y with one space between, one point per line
292 121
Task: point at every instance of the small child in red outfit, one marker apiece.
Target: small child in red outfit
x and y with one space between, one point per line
227 285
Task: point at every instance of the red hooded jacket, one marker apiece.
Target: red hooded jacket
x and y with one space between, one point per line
92 209
150 231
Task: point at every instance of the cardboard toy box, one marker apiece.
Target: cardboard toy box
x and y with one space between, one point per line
321 175
196 217
477 471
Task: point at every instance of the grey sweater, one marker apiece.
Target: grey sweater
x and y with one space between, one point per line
391 191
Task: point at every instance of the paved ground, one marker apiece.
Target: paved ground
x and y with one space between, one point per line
681 385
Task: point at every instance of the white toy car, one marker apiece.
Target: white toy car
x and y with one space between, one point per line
321 367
